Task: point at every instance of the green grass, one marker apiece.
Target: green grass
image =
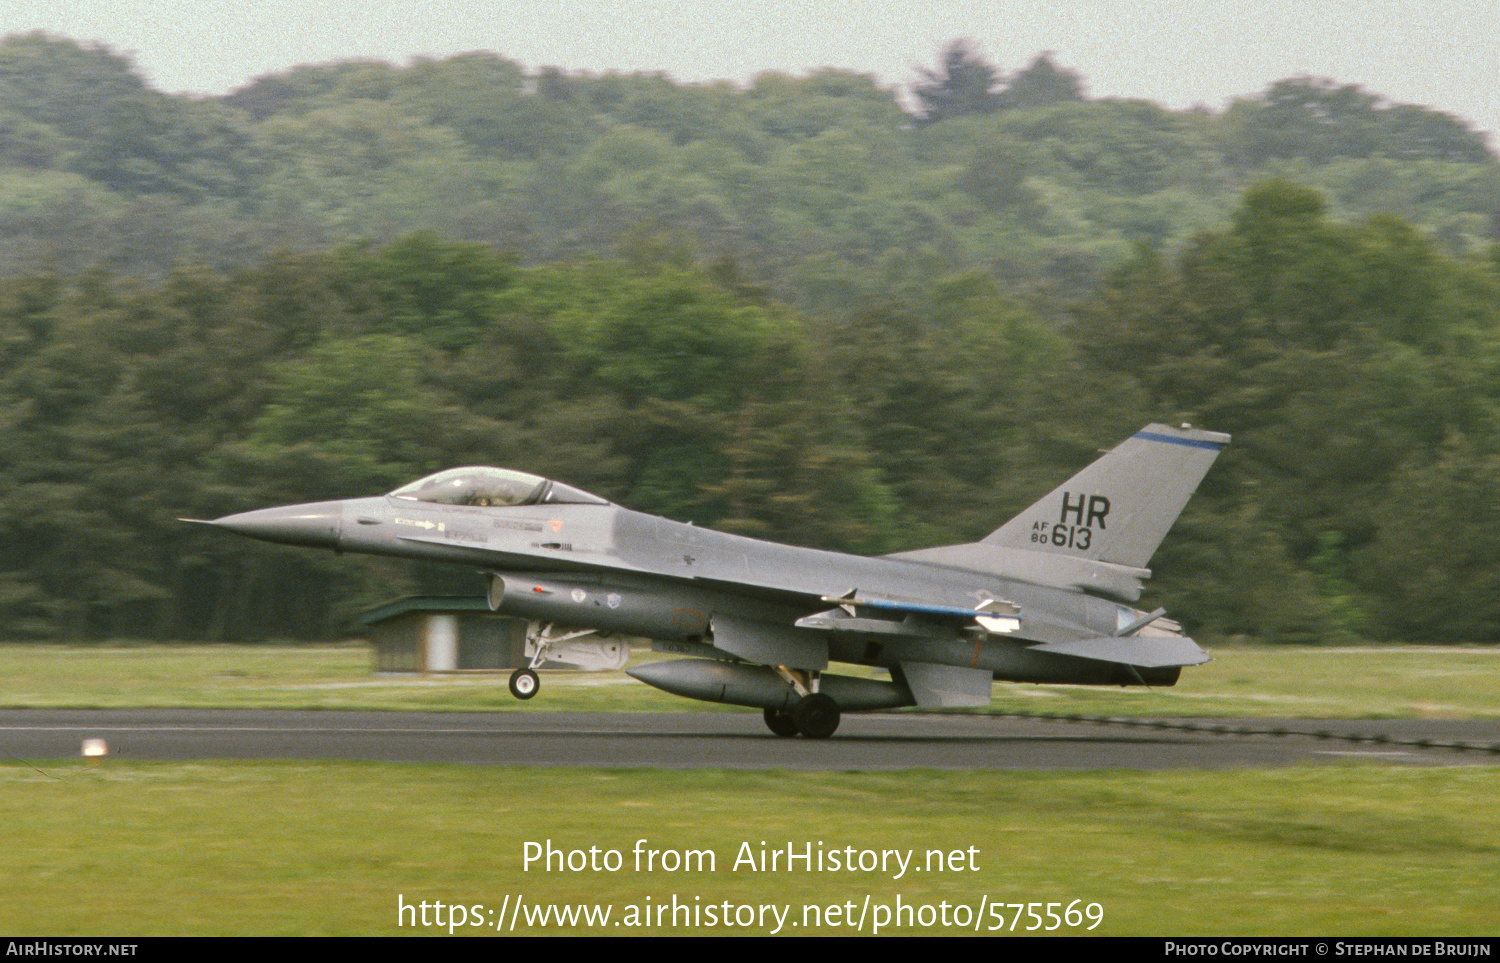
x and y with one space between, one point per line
138 849
1248 681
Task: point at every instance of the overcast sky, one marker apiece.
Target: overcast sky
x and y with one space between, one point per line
1441 53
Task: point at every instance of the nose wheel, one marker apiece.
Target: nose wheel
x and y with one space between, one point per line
540 638
524 683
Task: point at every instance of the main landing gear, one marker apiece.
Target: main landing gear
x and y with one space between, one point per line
814 715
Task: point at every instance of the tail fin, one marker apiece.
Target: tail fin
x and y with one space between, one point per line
1119 508
1099 529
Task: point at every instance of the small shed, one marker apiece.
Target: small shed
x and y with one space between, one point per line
437 633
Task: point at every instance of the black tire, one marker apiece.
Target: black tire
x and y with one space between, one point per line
524 683
781 722
817 716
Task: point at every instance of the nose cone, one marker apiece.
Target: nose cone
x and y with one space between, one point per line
315 525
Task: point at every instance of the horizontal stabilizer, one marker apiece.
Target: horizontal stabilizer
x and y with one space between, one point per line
1146 652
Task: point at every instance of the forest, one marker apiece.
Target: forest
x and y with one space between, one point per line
811 309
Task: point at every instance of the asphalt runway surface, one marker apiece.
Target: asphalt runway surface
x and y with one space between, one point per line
690 740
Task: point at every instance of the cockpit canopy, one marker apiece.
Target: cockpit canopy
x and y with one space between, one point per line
478 485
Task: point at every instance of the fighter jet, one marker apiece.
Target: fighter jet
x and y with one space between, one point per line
1040 599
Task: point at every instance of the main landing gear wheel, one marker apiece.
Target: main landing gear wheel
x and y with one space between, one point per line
524 683
816 716
780 721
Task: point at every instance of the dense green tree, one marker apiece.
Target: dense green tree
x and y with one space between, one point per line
1433 560
482 98
996 177
302 90
425 289
786 176
1042 84
792 108
68 87
26 143
1121 146
941 390
965 84
1321 119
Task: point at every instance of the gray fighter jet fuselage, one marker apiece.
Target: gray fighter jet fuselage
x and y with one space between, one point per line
761 621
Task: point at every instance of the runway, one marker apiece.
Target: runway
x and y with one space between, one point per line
734 740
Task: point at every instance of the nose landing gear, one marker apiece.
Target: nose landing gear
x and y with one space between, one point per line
524 683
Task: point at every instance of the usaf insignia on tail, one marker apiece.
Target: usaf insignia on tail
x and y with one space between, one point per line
1040 599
